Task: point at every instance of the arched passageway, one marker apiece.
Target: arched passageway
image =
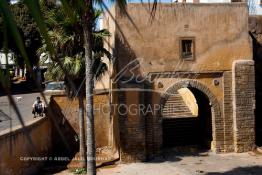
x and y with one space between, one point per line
187 119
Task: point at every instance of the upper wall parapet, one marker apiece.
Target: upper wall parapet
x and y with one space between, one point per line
217 34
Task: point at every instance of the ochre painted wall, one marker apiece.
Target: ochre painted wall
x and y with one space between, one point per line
220 32
149 49
68 109
15 148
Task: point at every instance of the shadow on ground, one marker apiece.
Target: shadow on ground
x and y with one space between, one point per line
252 170
175 154
64 141
20 87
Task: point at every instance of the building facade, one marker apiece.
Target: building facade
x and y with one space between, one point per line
205 1
184 76
255 7
3 60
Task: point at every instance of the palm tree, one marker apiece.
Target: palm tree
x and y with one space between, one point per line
66 35
86 16
87 21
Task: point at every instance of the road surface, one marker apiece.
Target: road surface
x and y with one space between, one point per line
24 94
8 117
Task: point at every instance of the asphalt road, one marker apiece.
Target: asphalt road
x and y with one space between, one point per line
8 117
24 95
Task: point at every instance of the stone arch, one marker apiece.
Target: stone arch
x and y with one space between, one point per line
217 120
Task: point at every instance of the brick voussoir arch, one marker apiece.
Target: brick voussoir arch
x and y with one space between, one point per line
217 120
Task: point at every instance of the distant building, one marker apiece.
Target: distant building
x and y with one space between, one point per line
3 62
255 7
205 1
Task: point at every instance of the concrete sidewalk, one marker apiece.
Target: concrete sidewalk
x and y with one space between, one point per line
189 163
206 163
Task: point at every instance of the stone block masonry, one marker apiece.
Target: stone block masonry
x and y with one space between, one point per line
228 112
131 124
243 91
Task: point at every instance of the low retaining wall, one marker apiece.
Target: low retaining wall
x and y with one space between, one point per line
16 151
65 113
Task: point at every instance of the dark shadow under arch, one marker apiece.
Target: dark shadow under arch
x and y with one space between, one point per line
217 120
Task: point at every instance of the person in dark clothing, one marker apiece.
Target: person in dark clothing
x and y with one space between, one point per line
38 107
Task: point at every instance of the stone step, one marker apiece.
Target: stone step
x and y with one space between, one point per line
175 107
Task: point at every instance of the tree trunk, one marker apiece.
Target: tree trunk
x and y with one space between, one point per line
82 143
90 135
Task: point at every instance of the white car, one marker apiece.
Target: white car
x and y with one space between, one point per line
54 88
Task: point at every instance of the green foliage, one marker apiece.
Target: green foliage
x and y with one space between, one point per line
28 31
66 35
80 171
67 28
73 65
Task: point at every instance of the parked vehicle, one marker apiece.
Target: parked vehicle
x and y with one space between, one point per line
54 88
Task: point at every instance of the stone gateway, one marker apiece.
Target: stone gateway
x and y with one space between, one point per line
192 60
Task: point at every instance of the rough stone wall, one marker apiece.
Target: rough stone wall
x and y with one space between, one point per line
217 119
228 112
132 124
149 122
243 84
220 96
153 124
202 81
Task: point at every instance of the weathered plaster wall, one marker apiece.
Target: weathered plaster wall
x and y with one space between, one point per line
66 112
220 31
151 49
15 148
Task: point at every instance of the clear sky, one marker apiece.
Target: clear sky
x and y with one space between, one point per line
13 1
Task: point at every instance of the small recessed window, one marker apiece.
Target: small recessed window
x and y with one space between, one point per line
187 48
